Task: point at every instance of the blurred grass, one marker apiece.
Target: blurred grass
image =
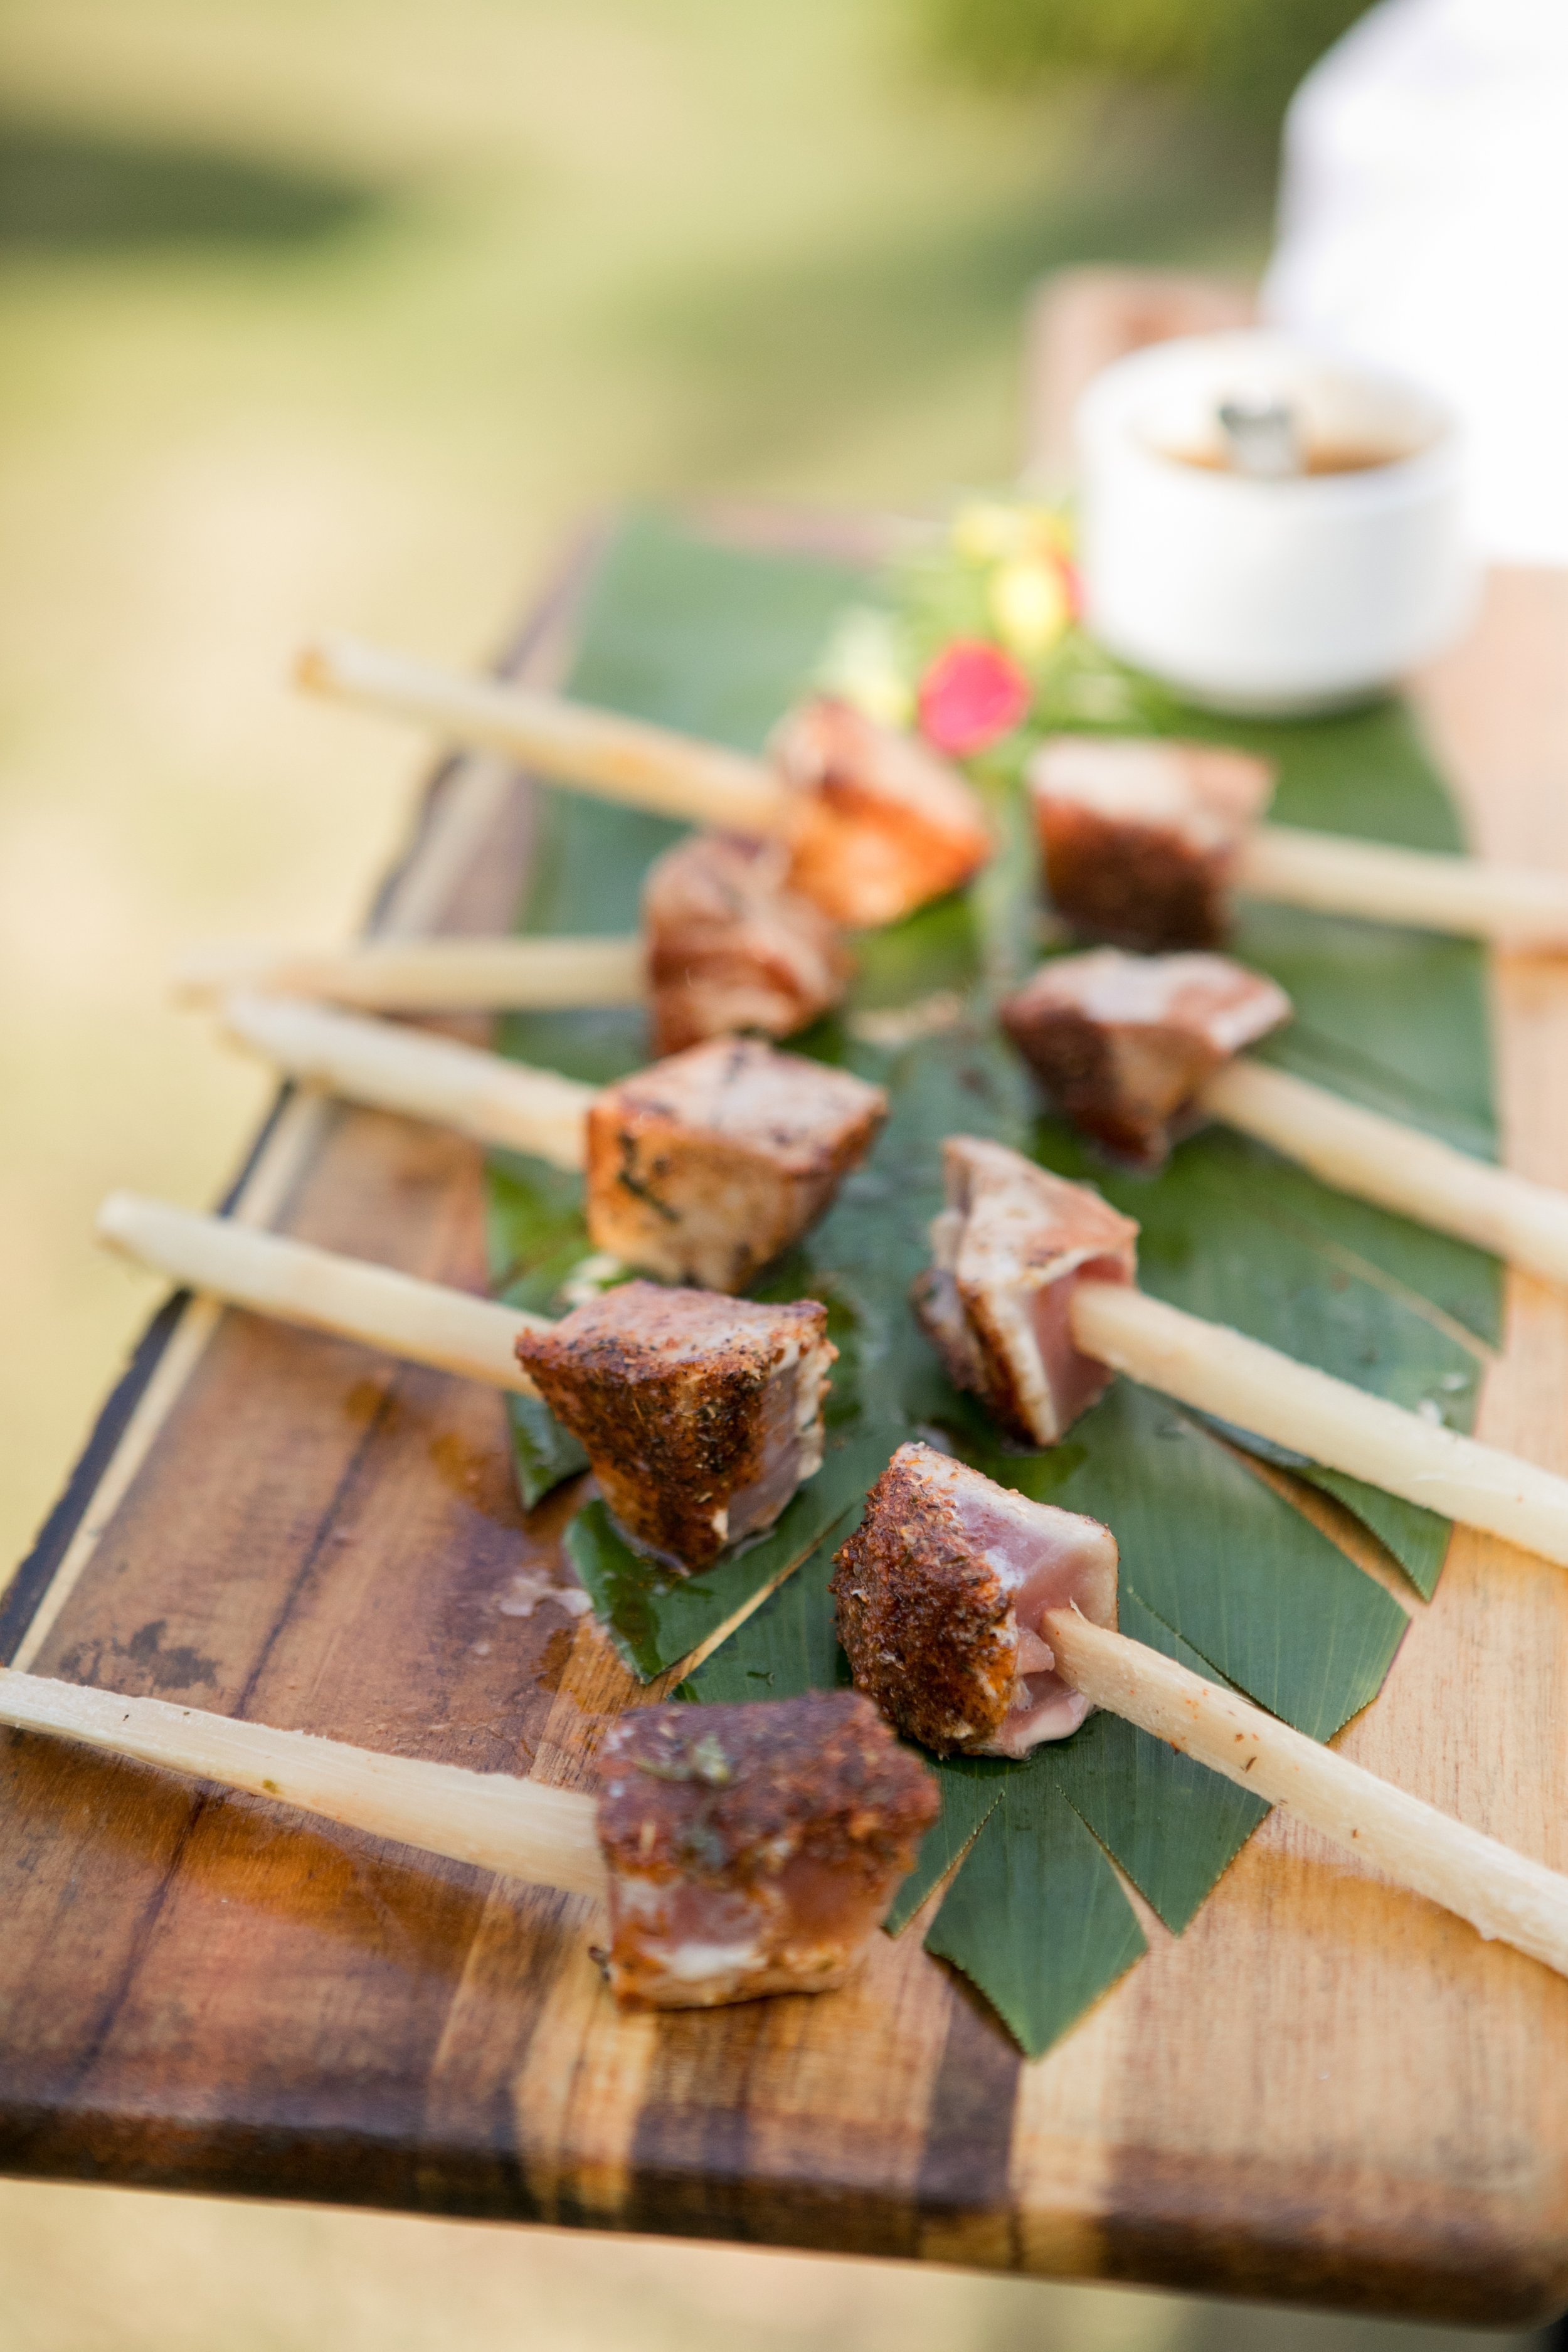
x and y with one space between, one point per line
1247 53
317 311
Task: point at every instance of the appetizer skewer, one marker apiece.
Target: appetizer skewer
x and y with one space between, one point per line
700 1415
1144 841
727 946
876 823
741 1850
974 1617
700 1169
1031 1304
1131 1047
731 946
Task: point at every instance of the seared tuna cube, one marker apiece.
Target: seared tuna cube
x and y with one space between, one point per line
941 1595
730 946
700 1415
1140 838
1123 1043
997 1303
882 822
704 1167
752 1849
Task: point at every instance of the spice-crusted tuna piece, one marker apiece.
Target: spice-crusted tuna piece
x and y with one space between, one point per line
704 1167
941 1592
1007 1252
1123 1043
1140 838
882 822
730 946
700 1415
752 1849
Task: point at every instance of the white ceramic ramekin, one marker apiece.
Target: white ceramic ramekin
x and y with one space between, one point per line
1278 597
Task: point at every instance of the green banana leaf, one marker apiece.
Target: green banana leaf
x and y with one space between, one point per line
1218 1569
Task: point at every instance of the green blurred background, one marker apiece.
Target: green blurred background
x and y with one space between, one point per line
326 312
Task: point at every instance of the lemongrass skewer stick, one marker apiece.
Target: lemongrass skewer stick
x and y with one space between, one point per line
423 1321
392 1068
545 1836
1501 1892
1238 1380
621 759
1380 1159
434 975
1515 904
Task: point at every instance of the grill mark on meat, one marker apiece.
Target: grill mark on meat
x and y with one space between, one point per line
639 1187
743 1148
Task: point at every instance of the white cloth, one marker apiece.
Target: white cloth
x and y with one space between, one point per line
1424 227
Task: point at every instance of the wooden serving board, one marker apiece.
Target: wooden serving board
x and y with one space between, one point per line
1325 2091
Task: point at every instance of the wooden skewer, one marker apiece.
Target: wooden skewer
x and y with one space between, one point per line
294 1283
544 1836
1221 1372
436 975
1499 1892
1380 1159
393 1068
1337 877
621 759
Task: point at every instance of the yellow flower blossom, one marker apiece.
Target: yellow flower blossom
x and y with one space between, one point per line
1028 603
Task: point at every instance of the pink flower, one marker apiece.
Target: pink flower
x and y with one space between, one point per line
971 694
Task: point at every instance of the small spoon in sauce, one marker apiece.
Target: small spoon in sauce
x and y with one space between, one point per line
1261 439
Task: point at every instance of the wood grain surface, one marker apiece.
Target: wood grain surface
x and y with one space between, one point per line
1325 2090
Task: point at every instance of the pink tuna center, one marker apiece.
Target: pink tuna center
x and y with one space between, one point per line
1073 1380
1045 1560
701 1933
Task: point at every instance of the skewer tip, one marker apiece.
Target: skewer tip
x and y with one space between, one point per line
202 973
116 1221
313 667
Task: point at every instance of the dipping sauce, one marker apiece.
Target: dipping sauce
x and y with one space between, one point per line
1317 457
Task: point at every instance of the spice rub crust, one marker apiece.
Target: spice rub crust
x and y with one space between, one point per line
1140 838
1124 1043
924 1620
700 1414
752 1849
731 947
